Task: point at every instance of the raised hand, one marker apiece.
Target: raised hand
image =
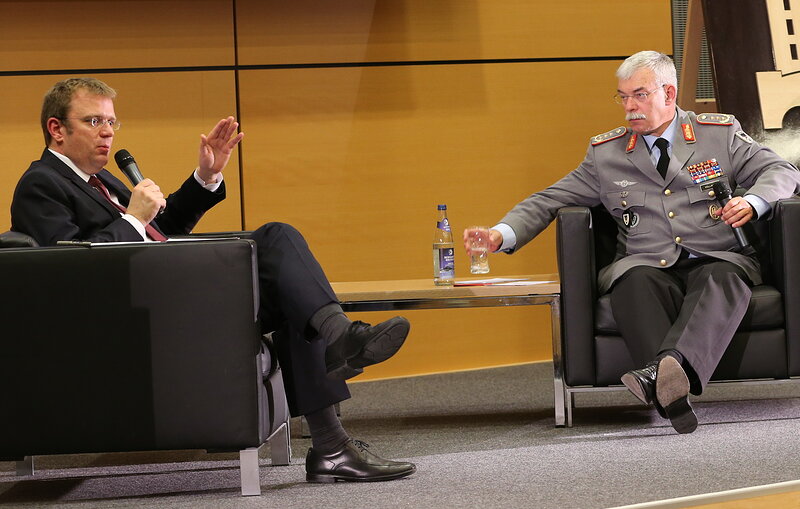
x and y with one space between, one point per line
216 148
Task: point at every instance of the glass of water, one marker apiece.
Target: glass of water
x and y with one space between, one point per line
478 243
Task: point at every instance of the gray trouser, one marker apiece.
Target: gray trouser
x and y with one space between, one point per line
693 307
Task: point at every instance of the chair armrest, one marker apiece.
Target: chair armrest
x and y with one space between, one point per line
784 248
578 276
127 347
16 239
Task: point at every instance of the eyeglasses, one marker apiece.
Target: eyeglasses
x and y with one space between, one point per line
98 123
639 97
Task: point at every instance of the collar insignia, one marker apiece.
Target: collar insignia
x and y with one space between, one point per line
688 133
631 144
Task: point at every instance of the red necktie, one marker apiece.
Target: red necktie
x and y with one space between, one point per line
97 184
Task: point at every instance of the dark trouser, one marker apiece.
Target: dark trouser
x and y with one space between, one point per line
293 288
693 307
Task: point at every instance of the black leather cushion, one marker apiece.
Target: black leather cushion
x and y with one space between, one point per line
16 239
765 311
612 359
750 355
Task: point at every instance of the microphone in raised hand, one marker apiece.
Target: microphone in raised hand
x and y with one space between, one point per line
723 193
127 164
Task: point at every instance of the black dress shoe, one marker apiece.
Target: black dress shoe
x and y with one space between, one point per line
672 393
363 345
642 384
353 462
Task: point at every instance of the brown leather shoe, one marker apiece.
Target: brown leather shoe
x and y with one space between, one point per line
353 462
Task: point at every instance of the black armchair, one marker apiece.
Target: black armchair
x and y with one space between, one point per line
127 347
592 356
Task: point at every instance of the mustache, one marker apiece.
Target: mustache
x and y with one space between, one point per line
635 116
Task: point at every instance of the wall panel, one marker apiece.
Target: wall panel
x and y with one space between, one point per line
162 116
93 34
358 159
312 31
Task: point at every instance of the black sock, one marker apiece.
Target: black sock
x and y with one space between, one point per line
672 353
330 322
327 433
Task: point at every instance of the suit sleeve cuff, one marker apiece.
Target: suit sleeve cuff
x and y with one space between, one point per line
208 187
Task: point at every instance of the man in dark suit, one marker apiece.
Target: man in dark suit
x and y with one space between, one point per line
68 195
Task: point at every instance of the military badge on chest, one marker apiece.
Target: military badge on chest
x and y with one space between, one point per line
715 211
704 171
630 219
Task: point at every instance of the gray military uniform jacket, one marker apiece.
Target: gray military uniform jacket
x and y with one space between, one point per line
657 216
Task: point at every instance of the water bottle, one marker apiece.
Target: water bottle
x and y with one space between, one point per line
443 251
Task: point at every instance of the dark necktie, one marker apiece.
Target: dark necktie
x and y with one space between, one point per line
663 159
98 185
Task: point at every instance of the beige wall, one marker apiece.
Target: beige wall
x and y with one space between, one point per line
356 156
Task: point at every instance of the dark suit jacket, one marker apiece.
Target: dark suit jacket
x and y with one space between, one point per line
52 203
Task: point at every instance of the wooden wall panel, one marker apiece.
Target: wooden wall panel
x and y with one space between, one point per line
358 159
361 157
162 116
92 34
313 31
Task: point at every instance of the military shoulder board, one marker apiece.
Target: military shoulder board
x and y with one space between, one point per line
715 119
610 135
743 136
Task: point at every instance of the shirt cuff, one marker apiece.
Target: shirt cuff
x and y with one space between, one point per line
208 187
509 237
137 225
759 204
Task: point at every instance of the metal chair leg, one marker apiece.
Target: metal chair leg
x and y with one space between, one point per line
569 404
249 471
25 467
280 445
562 398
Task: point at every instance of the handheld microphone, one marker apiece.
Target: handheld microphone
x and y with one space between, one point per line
128 166
723 192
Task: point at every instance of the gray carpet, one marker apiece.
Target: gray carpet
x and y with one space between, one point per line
480 439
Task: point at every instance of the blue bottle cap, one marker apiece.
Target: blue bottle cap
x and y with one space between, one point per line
442 207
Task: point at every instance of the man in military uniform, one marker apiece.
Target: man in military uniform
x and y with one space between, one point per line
681 283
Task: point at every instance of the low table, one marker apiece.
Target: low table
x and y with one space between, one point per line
423 294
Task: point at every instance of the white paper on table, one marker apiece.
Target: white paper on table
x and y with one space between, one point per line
523 283
491 281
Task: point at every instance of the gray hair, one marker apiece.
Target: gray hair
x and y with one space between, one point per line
662 66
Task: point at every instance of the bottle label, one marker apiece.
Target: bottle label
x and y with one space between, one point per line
447 263
443 225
